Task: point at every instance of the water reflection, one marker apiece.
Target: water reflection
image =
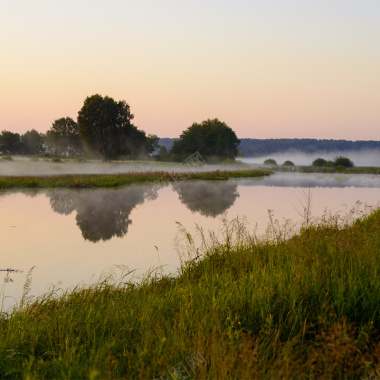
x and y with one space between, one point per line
9 272
101 214
206 197
104 214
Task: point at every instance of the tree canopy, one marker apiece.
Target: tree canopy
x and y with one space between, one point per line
32 142
210 138
10 143
106 129
339 161
63 137
343 161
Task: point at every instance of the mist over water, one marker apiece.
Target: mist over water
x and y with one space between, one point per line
359 158
312 180
23 166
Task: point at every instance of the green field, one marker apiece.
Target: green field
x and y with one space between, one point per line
307 307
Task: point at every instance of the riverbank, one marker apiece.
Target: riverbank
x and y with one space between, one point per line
115 180
307 307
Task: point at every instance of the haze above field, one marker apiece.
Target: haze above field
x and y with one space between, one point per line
268 69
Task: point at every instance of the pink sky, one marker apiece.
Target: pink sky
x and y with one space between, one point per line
269 71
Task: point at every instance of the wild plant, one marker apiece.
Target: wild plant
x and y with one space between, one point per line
26 289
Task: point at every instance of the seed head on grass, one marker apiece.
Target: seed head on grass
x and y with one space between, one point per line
27 286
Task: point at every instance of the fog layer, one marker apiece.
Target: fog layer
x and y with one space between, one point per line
359 158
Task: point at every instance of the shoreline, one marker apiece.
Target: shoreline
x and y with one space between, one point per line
76 181
241 309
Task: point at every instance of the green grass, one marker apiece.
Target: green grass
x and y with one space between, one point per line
114 180
308 307
340 169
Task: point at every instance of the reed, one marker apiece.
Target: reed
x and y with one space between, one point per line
304 306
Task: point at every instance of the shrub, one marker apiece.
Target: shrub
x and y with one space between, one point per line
340 168
6 158
343 161
319 162
270 161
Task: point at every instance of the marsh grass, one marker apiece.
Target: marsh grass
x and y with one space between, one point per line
286 305
6 157
114 180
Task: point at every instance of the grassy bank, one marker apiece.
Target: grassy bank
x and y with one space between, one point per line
308 307
340 169
114 180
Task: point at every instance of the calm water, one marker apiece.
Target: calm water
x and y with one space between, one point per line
71 237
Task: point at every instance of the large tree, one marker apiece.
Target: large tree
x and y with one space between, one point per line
63 137
106 129
211 138
32 142
10 143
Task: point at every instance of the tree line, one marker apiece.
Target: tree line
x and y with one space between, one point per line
104 129
261 147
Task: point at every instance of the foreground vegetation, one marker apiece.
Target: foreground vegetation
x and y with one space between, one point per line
241 308
114 180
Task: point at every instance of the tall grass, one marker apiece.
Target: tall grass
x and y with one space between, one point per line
300 307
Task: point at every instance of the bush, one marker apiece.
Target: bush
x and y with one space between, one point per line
343 161
319 162
270 161
340 168
6 158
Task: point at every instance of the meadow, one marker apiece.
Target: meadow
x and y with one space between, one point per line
305 306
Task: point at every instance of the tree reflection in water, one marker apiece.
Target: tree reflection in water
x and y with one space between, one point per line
101 214
104 213
207 197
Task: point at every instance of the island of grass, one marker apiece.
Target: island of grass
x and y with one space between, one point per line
114 180
308 307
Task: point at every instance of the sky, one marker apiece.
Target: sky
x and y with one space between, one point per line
267 68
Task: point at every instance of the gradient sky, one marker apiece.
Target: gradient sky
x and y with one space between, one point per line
268 68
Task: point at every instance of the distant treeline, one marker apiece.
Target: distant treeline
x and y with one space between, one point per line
262 147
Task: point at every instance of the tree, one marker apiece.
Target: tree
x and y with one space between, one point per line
152 143
63 137
162 150
10 142
288 163
270 161
32 142
210 138
343 161
106 129
319 162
